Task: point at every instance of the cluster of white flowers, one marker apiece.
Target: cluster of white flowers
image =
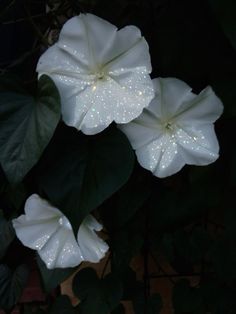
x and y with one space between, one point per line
103 75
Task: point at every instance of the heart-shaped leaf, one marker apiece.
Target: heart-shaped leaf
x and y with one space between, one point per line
85 169
97 296
27 124
12 284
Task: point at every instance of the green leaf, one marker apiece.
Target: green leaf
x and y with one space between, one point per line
187 299
62 305
16 195
225 11
97 296
53 277
84 281
26 127
7 234
86 170
12 284
125 203
124 245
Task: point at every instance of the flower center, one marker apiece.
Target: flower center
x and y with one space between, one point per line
100 75
168 126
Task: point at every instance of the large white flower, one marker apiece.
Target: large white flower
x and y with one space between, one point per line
45 229
176 128
102 73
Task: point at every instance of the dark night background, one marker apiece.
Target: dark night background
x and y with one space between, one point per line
189 218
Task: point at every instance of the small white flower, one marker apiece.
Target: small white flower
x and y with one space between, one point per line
176 128
45 229
102 73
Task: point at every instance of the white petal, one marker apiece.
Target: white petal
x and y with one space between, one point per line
89 36
171 93
161 157
34 233
61 250
92 247
140 132
198 146
45 229
39 223
92 223
107 101
90 48
204 108
56 60
129 51
37 208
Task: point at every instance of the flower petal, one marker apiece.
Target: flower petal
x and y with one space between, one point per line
34 233
171 93
129 51
88 36
140 132
104 102
102 74
61 250
45 229
37 208
176 128
198 146
161 156
92 247
204 108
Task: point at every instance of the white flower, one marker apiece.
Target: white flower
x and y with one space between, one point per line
176 128
45 229
102 73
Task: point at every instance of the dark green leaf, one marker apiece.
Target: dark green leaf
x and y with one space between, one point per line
97 296
62 305
12 284
53 277
124 246
84 282
7 234
126 201
16 195
27 125
86 170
